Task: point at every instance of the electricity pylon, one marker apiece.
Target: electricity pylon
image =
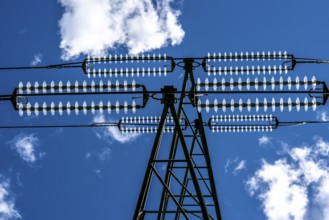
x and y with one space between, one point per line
179 182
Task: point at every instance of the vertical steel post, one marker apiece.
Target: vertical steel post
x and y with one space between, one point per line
140 207
173 149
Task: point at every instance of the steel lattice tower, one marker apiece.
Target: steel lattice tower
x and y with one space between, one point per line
194 192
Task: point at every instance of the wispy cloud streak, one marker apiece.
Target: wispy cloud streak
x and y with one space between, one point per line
113 133
237 164
240 166
36 59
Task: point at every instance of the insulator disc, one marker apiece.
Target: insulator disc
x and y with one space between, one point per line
274 69
231 84
101 86
198 87
207 105
94 73
76 86
224 105
125 107
281 83
92 86
101 106
249 105
215 84
36 109
272 83
28 109
314 104
305 82
297 104
92 107
60 87
36 87
232 105
281 104
240 83
68 86
257 104
52 108
52 87
28 88
44 87
76 108
305 104
125 85
256 83
84 107
240 105
273 105
84 86
199 106
20 109
248 83
206 84
20 87
68 108
264 83
215 105
117 85
117 107
44 109
60 108
313 82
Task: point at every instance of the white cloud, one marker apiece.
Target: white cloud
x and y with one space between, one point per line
25 146
227 165
88 155
105 154
36 59
94 26
98 172
322 115
282 196
238 165
7 202
164 167
322 147
113 132
296 186
22 31
264 140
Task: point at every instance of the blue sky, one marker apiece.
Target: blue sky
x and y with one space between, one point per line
97 173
